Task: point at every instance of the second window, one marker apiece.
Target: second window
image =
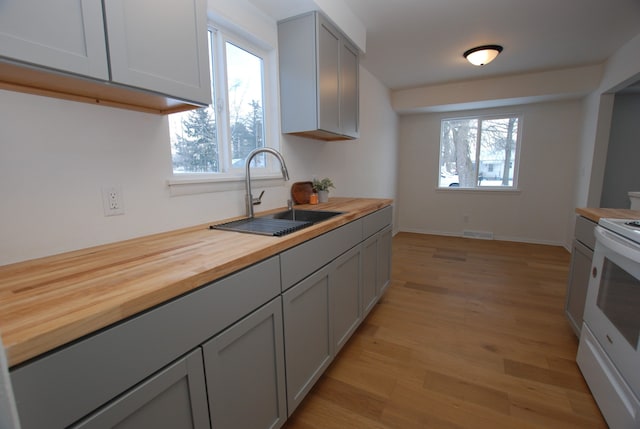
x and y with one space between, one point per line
479 152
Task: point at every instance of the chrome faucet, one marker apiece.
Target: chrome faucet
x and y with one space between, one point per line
247 163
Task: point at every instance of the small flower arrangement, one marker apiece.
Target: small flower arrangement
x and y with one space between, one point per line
322 185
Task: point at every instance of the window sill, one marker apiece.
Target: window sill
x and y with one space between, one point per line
192 184
513 191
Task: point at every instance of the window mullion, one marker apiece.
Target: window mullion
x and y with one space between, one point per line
223 105
478 143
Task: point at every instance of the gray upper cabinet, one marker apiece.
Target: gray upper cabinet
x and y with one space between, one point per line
153 58
63 35
160 48
319 80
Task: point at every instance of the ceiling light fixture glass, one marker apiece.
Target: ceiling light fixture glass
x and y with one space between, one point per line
482 55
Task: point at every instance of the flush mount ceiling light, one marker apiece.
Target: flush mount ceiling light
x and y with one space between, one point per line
482 55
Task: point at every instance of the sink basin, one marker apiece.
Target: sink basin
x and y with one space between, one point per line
277 224
263 226
313 216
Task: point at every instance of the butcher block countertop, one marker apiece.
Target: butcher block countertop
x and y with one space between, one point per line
48 302
595 214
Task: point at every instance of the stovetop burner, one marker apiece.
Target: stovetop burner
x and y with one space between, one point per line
628 228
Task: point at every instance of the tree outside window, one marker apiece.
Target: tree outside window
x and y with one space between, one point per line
479 152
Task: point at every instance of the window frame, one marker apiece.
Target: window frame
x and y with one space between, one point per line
518 148
228 174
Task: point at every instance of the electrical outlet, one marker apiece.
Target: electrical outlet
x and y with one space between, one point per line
112 200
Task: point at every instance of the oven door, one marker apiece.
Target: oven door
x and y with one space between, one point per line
612 309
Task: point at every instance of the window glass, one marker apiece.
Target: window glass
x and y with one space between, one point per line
194 136
194 141
244 78
479 152
217 138
618 298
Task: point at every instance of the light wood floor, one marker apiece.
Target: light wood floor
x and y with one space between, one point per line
471 334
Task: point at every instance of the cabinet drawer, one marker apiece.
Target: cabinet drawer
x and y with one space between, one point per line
175 397
59 388
298 262
584 232
376 221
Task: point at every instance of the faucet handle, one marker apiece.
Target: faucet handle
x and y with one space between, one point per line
289 204
256 201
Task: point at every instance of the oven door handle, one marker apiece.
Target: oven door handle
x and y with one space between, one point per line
618 244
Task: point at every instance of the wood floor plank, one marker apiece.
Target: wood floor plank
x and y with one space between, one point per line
470 334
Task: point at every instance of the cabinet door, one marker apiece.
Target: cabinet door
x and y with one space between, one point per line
174 398
160 48
384 259
328 76
245 372
369 274
62 35
579 275
345 297
349 84
307 328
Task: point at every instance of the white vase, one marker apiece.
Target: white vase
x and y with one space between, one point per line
323 196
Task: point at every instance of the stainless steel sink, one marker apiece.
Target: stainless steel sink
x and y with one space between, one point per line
313 216
277 224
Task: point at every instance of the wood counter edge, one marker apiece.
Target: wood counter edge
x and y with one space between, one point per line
595 214
27 344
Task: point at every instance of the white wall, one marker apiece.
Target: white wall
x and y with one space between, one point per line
550 136
56 156
621 69
510 90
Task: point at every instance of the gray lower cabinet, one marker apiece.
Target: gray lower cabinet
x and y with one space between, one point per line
376 268
322 310
62 387
307 329
175 397
369 274
344 291
580 272
320 315
241 352
384 259
244 368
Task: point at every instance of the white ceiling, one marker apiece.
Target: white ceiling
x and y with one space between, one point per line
420 42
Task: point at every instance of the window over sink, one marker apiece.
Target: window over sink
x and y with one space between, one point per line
211 143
